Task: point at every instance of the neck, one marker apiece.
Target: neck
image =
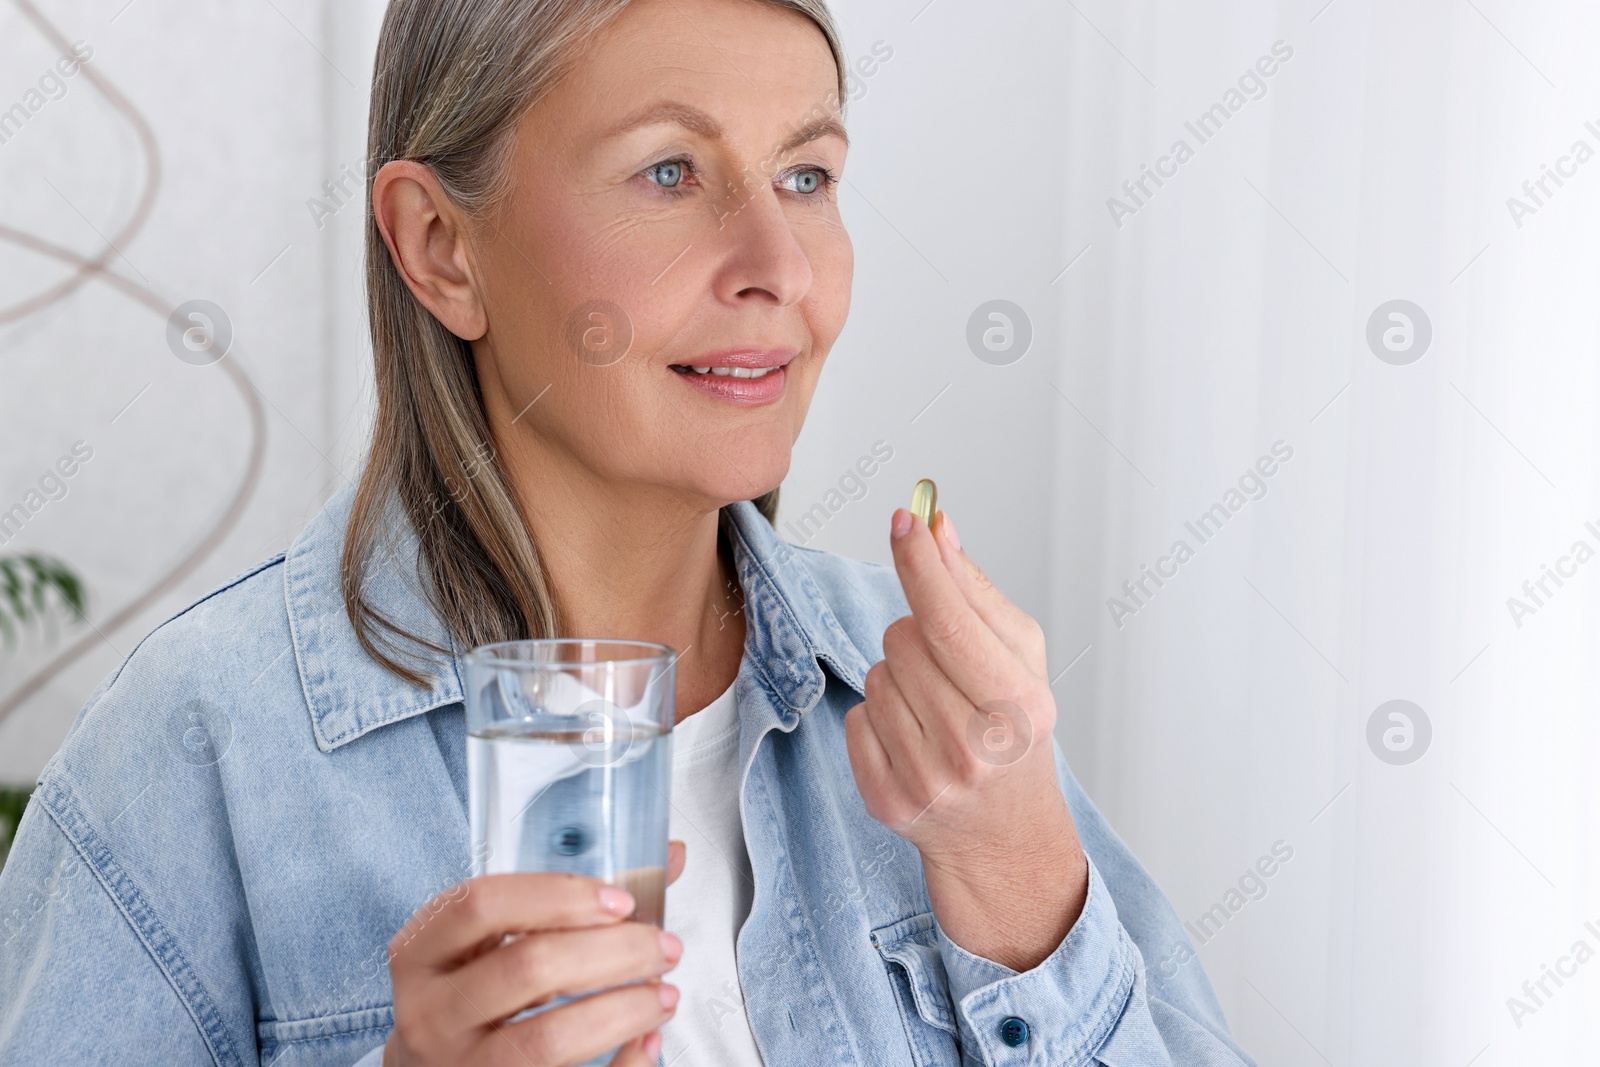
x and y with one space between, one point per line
636 563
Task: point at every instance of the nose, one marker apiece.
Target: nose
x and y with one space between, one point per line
763 261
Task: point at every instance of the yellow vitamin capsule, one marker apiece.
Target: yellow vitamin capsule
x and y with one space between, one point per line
925 501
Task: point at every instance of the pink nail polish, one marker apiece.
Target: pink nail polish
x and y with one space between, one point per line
616 901
671 946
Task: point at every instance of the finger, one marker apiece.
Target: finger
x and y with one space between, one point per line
916 753
483 909
923 690
583 1029
969 653
899 731
640 1052
957 726
676 857
533 968
868 760
1015 627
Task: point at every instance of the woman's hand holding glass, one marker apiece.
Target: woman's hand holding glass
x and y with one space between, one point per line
457 978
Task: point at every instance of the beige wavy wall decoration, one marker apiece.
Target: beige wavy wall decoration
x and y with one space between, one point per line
95 268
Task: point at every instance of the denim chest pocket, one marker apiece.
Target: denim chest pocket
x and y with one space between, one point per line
341 1039
910 950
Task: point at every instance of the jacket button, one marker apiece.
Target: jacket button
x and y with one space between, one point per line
1014 1032
570 840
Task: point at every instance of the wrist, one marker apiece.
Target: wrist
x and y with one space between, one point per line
1007 854
1012 902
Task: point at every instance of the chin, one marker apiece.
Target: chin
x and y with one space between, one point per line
757 473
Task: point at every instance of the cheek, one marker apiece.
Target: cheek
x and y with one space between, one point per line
832 259
568 293
611 263
644 270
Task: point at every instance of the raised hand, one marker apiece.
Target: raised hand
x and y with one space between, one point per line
952 750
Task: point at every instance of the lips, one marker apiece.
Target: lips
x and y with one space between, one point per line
741 376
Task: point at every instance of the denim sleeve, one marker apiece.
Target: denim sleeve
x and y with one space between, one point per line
68 955
1092 996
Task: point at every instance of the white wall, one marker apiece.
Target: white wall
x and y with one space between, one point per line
247 121
1228 313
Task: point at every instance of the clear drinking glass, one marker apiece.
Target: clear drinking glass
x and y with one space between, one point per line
569 762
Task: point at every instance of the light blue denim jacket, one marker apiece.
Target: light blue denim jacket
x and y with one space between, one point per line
248 809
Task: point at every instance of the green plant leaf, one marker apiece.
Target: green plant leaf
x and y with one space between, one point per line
34 586
12 800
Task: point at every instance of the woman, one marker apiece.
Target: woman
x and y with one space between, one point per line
605 267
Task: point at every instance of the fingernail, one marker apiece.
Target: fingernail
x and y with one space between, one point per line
652 1044
616 901
671 946
900 525
669 995
950 532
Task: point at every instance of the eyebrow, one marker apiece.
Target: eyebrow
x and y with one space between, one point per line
817 128
697 121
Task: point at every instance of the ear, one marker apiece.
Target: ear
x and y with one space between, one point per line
428 240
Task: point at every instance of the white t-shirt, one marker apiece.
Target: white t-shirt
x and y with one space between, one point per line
709 902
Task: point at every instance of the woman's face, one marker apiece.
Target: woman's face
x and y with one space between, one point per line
673 199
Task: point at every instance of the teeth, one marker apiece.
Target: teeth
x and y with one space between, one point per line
735 372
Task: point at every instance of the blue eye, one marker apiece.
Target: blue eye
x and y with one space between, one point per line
809 180
667 174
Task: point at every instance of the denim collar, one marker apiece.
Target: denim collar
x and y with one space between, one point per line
790 632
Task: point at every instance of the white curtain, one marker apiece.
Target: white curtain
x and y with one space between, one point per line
1426 485
1228 714
1179 337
